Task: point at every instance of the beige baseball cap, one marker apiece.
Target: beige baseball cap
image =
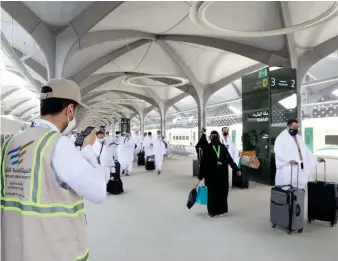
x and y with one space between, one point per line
64 89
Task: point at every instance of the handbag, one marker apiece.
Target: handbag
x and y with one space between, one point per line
192 196
202 195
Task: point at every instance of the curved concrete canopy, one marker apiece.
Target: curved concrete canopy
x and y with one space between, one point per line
170 46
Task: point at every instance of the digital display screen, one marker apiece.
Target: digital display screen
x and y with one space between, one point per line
125 125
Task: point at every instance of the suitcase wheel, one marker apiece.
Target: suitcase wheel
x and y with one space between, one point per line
332 224
289 232
300 231
274 226
309 221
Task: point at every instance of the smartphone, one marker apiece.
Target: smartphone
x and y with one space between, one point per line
80 139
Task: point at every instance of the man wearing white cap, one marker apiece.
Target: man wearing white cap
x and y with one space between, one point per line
44 181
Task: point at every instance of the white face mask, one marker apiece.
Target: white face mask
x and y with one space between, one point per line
100 140
71 125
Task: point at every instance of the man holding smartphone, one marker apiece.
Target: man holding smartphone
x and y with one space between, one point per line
44 181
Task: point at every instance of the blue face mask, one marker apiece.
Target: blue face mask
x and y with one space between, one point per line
100 140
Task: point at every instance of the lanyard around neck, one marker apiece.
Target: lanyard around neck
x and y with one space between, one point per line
218 151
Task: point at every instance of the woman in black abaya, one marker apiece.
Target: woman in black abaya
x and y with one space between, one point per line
214 171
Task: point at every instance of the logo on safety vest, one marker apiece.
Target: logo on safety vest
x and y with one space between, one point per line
16 155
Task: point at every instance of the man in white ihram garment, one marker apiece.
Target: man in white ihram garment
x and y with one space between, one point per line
228 143
108 141
102 152
291 152
137 140
115 143
148 145
159 151
125 152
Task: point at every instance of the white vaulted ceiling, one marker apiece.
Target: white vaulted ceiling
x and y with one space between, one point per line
102 44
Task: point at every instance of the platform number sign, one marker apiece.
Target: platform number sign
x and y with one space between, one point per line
283 78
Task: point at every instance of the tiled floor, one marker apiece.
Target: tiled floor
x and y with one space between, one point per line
151 223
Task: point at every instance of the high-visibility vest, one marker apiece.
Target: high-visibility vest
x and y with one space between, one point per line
41 221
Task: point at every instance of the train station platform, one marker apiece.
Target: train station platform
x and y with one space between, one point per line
151 222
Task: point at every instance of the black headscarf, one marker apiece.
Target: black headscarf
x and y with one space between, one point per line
214 138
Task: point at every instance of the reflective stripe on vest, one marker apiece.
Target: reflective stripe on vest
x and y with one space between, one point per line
36 174
45 210
3 164
33 206
84 257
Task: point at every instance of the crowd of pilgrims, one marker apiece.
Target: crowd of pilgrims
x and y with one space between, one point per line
125 148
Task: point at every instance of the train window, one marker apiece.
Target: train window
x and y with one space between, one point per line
331 139
308 139
186 137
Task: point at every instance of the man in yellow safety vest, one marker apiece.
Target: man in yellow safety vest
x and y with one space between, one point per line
44 180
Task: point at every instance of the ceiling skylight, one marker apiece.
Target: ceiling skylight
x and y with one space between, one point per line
335 92
289 102
235 110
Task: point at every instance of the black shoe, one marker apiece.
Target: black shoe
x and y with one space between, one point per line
122 172
127 174
158 172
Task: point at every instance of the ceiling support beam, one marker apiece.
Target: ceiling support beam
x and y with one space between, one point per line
199 87
236 89
289 38
99 63
248 51
36 28
319 82
27 111
4 95
94 95
34 65
311 57
214 87
18 63
17 105
77 28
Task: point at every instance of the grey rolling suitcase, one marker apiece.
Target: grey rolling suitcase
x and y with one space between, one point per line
287 207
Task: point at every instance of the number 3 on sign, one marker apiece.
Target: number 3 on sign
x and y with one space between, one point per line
273 82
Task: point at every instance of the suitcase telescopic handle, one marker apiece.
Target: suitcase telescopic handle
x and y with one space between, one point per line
292 173
324 172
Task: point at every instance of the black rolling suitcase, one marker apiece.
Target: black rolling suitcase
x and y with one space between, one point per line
115 186
195 168
322 200
150 163
140 158
240 181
